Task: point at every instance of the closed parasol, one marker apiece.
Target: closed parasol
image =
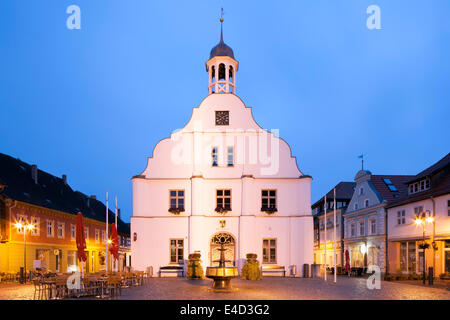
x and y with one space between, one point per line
114 246
347 262
80 239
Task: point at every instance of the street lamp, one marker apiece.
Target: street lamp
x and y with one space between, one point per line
422 220
24 226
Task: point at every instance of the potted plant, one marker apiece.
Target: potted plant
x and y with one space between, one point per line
176 210
445 276
424 246
388 277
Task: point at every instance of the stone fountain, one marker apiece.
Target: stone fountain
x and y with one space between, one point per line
222 274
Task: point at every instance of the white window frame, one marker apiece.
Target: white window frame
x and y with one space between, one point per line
448 207
86 233
366 203
73 232
177 198
269 247
353 229
97 235
214 156
36 222
373 225
58 225
52 228
176 247
22 218
223 197
230 154
418 211
361 224
269 197
401 217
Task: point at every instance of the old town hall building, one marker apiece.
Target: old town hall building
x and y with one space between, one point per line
222 177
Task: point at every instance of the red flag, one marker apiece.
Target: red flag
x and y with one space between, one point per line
81 241
114 246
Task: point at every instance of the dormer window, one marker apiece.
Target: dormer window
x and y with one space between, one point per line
361 191
419 186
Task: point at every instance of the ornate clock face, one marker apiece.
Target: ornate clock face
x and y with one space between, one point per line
222 118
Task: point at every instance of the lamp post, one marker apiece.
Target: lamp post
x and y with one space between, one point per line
421 220
25 226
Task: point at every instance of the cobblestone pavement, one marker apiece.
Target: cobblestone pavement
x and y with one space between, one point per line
272 288
16 291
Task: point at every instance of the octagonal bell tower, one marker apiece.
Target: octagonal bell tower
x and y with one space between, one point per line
222 68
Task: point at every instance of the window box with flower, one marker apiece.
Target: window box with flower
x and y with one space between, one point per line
176 210
269 210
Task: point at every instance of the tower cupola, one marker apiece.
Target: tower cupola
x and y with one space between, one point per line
222 67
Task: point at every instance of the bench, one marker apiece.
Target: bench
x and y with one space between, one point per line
171 269
273 269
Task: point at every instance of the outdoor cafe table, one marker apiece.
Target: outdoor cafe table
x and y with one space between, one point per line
49 282
102 281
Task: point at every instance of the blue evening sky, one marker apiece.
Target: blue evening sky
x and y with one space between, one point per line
92 103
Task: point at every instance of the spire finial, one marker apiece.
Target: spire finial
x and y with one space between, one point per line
221 23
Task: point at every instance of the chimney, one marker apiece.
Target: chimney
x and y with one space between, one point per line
64 179
94 197
87 202
34 173
118 213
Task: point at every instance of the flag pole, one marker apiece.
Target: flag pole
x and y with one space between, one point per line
107 261
116 263
325 223
335 256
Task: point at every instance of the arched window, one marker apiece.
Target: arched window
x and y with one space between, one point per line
221 71
213 74
231 74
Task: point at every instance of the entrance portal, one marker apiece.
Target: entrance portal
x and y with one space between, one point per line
229 244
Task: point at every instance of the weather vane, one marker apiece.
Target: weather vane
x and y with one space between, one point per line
362 160
221 14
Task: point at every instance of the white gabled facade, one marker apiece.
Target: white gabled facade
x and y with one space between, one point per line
221 159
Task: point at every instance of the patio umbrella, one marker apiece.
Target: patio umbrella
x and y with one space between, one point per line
81 241
114 246
347 262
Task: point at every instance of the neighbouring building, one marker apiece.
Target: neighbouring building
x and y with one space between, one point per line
428 196
222 178
344 193
365 217
29 195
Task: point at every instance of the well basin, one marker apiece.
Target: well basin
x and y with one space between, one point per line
221 276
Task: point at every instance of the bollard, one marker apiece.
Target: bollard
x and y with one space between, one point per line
22 275
430 275
306 270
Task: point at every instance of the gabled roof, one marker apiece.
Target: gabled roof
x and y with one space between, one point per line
445 161
440 183
50 192
344 191
381 187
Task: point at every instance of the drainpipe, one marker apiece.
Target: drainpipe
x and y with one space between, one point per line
13 203
434 230
386 262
